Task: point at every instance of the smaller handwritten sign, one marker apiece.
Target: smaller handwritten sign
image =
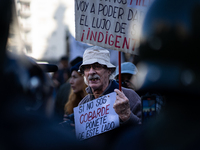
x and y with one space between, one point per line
96 117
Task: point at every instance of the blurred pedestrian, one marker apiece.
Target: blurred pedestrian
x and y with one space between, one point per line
63 73
128 72
64 91
77 93
78 87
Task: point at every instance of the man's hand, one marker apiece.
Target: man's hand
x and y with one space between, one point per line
121 106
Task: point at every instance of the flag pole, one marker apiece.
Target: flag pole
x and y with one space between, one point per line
119 66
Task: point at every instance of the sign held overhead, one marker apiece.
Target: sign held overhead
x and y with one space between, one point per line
112 24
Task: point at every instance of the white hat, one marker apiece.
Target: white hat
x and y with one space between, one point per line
99 55
127 67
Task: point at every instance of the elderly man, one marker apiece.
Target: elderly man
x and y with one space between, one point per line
97 70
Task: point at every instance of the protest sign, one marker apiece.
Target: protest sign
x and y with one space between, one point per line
112 24
96 117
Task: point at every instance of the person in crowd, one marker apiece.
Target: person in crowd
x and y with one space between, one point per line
169 52
65 90
128 72
61 98
63 73
76 60
78 91
97 70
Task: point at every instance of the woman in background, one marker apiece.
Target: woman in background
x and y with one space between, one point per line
77 92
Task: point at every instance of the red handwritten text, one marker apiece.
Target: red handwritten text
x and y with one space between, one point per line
95 114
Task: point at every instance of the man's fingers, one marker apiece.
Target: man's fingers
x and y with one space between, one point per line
119 93
121 106
121 100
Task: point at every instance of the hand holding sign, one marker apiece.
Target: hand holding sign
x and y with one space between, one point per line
121 106
96 117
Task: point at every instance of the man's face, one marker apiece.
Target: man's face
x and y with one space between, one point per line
97 76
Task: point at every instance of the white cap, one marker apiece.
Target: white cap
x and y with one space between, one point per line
99 55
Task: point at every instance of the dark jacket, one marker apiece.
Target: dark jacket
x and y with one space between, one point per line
134 99
107 139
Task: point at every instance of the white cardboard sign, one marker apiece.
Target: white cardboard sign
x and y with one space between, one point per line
112 24
96 117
